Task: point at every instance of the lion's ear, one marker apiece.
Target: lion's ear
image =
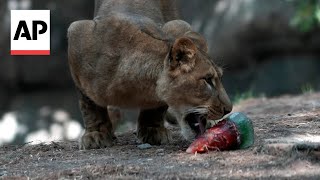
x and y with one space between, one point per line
182 54
198 39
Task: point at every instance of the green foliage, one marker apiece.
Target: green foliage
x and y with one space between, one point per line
307 16
307 88
243 96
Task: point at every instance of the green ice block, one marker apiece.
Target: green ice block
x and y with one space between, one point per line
245 128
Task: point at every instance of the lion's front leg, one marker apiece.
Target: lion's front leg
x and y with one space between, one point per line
151 126
98 127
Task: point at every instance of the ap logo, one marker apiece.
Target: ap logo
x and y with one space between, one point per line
30 32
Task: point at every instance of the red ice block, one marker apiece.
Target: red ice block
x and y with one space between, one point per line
232 133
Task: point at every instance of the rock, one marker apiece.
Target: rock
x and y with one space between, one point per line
159 150
3 172
144 146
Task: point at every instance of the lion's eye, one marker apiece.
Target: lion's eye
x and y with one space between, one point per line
178 56
209 81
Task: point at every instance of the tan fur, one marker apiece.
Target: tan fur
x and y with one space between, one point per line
134 54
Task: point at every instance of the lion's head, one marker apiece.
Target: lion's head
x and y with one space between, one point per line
191 85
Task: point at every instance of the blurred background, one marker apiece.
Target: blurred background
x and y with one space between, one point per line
266 48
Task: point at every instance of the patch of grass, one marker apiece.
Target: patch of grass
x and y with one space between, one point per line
307 15
307 88
243 96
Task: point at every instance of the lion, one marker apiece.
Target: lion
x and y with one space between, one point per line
138 54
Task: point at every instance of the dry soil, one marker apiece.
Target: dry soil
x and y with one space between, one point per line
287 146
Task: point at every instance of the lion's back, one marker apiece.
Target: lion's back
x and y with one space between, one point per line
106 55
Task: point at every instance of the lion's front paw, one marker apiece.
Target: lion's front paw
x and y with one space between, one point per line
96 140
154 135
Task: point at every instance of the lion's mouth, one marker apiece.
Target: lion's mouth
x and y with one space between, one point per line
197 123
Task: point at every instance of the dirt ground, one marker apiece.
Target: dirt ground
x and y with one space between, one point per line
287 146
